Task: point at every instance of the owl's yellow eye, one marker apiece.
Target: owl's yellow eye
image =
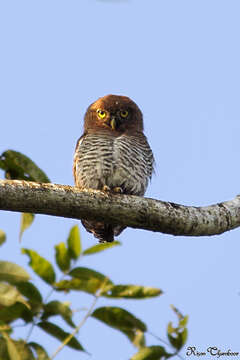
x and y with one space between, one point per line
101 114
124 113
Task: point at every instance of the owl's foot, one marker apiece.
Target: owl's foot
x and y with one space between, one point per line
106 188
117 190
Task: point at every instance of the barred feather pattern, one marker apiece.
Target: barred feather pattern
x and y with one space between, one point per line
124 161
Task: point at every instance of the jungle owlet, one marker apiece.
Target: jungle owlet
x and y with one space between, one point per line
112 155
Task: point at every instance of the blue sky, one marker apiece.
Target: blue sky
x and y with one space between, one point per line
179 61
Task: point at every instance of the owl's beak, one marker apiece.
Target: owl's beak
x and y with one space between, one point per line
113 123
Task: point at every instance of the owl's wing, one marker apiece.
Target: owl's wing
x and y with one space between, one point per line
79 142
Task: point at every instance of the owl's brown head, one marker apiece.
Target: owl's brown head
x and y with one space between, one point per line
115 114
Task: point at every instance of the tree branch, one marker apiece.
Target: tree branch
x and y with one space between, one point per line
133 211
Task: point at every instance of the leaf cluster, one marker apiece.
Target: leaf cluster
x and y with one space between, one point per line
21 300
18 166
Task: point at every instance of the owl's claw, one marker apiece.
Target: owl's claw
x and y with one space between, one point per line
118 190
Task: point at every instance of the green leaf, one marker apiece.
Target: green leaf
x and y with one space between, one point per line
60 334
23 350
11 348
90 280
74 243
83 273
5 327
91 286
34 298
26 222
183 322
9 295
3 350
19 166
136 337
177 336
124 321
118 318
11 313
100 247
62 257
14 312
12 273
40 266
30 291
40 351
132 292
177 312
151 353
58 308
174 341
178 339
2 237
184 336
14 350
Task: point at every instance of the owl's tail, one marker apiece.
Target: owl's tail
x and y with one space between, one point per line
103 232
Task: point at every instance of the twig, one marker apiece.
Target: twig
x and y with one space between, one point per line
70 336
88 314
44 302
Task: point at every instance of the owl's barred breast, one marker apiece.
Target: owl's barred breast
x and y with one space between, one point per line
123 161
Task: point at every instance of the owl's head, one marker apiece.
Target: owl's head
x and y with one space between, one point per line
115 114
